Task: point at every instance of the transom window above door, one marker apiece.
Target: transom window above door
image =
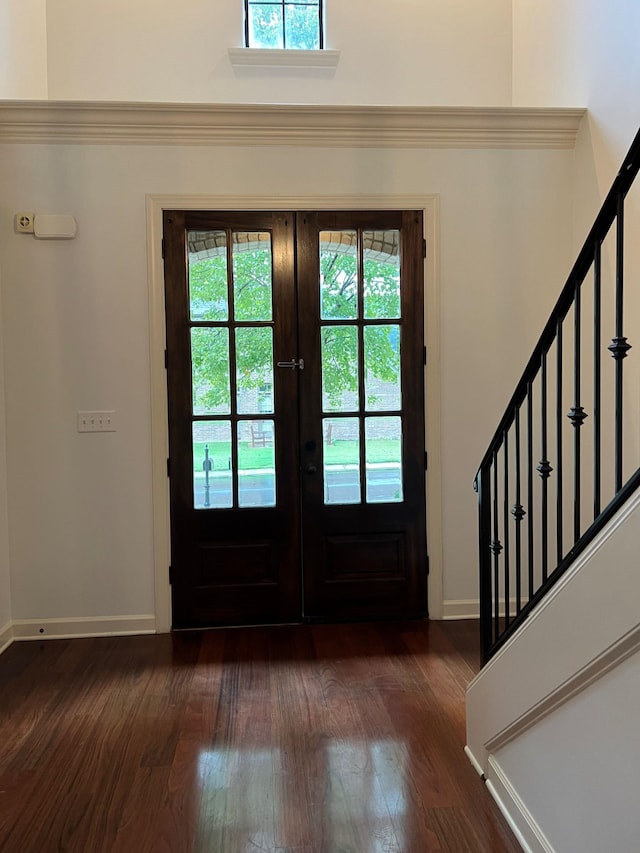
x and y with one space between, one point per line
284 24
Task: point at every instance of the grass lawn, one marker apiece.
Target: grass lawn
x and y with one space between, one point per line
340 453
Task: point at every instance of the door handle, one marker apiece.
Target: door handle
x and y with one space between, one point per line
299 363
311 468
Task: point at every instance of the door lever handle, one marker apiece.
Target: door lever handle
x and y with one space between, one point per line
299 363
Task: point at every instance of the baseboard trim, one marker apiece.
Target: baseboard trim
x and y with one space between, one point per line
96 626
474 762
6 636
469 608
461 609
523 825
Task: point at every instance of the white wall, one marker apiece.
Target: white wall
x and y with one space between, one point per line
421 52
578 770
76 335
568 52
582 52
23 49
552 718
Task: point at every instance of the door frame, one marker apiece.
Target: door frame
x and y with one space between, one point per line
155 205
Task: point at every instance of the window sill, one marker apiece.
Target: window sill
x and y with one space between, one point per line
251 56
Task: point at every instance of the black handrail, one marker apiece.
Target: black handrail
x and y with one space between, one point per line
501 555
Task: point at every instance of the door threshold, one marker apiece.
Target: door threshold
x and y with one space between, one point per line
231 625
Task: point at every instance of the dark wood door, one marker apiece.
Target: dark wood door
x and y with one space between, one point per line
360 278
296 416
231 315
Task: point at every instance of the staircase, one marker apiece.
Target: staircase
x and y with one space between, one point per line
552 715
562 461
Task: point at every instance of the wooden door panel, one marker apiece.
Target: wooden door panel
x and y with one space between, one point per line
376 555
233 564
361 558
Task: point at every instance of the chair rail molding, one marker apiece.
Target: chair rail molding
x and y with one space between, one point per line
109 122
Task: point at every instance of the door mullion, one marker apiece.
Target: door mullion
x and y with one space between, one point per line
233 387
361 366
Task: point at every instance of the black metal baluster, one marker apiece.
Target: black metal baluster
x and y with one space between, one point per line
577 416
597 339
518 513
559 423
619 346
530 482
505 506
544 469
496 547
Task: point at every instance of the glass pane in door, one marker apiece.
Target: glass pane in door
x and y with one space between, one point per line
381 252
256 463
212 474
252 276
254 369
208 286
383 455
341 460
210 371
338 275
382 367
339 368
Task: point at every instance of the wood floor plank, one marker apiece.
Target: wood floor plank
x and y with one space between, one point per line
292 739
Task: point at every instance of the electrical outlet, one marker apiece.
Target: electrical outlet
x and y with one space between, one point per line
97 421
24 222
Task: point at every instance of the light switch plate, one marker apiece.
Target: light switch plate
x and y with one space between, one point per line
104 421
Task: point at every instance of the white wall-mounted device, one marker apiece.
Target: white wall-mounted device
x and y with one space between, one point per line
47 226
54 226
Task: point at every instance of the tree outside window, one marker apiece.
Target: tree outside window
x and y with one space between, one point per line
284 24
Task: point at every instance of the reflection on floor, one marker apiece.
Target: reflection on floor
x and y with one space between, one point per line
297 739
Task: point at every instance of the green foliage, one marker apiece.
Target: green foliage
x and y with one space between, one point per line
299 29
208 289
210 347
252 302
339 301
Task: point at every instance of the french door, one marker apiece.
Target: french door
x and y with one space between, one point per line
296 416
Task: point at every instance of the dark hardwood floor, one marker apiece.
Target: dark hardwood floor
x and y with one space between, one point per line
304 739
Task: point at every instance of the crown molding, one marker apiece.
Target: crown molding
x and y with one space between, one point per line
108 122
